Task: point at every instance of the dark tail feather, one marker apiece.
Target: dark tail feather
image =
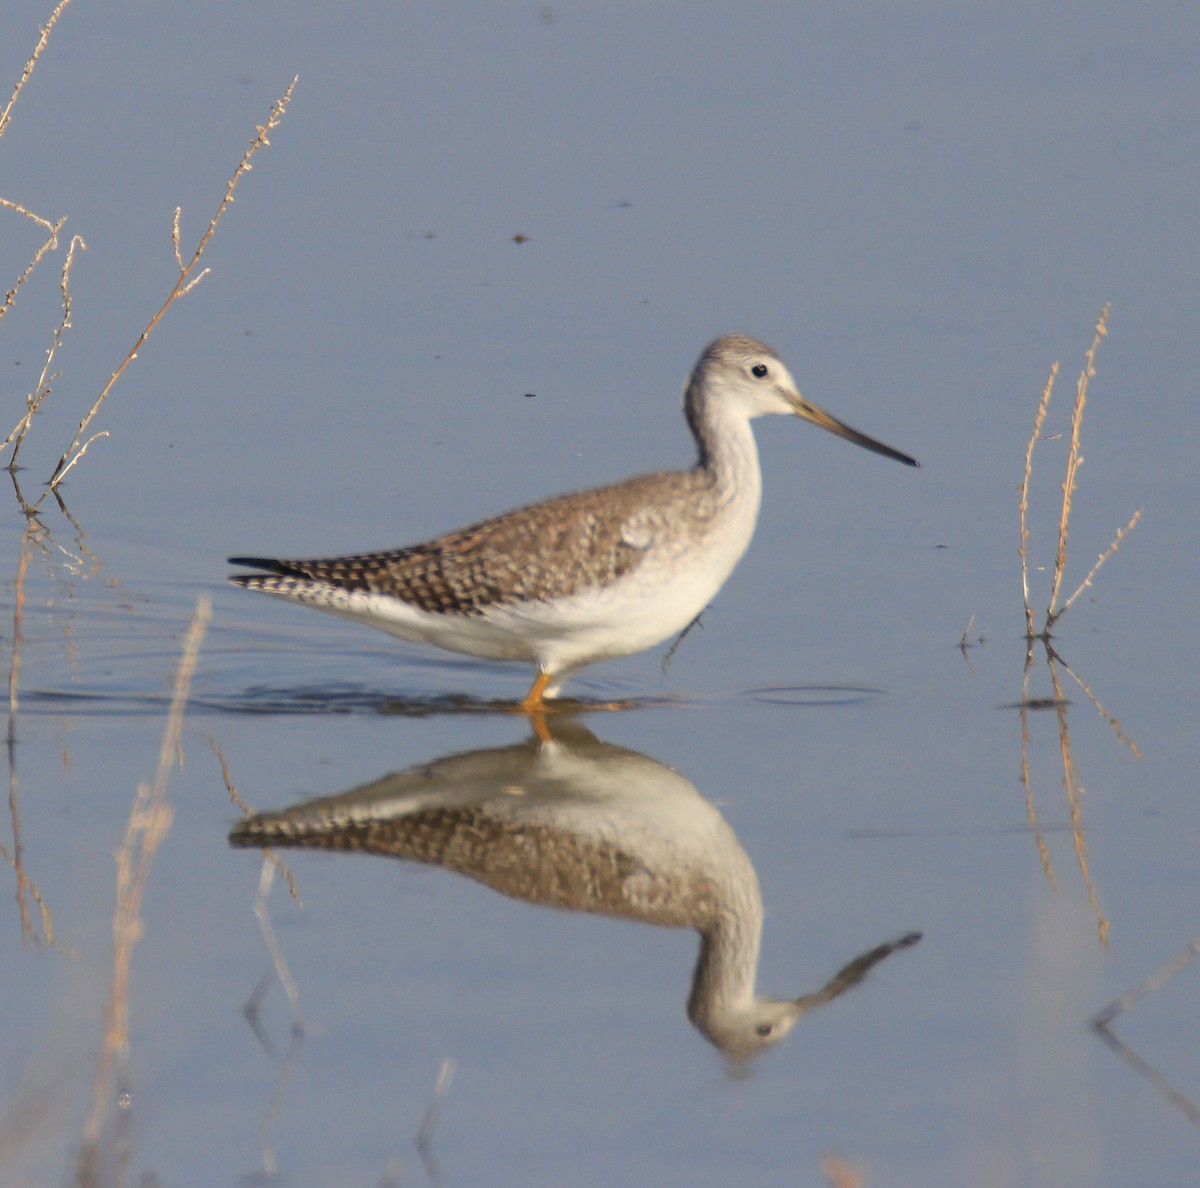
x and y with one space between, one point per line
270 564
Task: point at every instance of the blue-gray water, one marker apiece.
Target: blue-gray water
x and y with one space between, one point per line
921 208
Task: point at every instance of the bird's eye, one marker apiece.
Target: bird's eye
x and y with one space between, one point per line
763 1029
759 371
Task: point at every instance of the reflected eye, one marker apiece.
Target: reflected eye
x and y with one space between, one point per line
759 371
763 1029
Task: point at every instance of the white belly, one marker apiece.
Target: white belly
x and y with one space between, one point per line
656 600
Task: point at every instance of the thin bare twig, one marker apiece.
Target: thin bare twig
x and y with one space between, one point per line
149 822
433 1114
48 28
1027 779
43 388
45 224
26 888
1038 420
187 279
1102 1025
1108 552
175 235
49 244
1074 461
1111 719
274 948
51 229
1074 791
1054 611
839 1173
236 797
1131 998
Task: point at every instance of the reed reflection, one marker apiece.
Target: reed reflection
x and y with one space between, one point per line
567 821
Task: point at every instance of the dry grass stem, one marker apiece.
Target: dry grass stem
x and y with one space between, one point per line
175 236
45 381
46 225
149 823
1111 719
1038 420
1054 611
841 1174
30 65
26 888
433 1113
51 229
1108 552
274 948
1102 1023
1160 976
967 642
1027 782
28 1120
236 797
1074 461
437 1102
253 1014
14 668
1074 791
1070 780
49 244
189 276
271 1114
82 562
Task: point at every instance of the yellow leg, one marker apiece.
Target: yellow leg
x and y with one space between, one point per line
541 728
533 703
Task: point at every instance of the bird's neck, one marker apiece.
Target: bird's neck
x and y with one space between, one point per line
727 967
725 446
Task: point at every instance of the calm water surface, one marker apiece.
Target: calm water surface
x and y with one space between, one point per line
921 210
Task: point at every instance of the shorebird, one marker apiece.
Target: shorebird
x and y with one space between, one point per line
587 575
564 820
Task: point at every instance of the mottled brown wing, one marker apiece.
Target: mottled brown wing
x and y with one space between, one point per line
549 549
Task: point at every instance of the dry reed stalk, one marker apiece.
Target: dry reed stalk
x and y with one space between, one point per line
1074 791
1108 552
187 280
149 822
423 1140
291 1065
30 65
1111 719
1160 976
253 1013
49 244
84 561
26 887
1102 1023
1054 611
28 1120
52 229
14 667
841 1174
1027 779
43 387
1023 506
236 797
1074 460
437 1102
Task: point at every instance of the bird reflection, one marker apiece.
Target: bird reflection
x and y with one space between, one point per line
570 822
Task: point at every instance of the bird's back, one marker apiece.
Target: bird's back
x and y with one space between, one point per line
552 549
